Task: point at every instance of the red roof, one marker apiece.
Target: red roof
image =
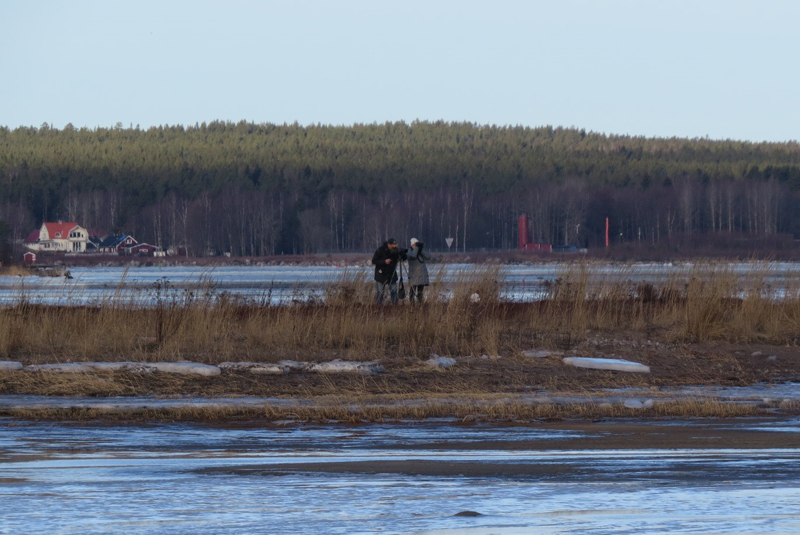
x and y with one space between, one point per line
33 237
62 229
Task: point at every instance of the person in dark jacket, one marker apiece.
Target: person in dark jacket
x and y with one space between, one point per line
385 261
417 270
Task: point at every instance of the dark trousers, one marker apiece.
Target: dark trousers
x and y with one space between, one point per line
380 290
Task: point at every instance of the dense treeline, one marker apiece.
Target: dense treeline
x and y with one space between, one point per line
261 189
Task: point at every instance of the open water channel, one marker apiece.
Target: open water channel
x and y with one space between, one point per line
434 477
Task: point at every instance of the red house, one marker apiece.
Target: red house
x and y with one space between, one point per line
117 244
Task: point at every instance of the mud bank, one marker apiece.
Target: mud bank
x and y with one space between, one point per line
629 402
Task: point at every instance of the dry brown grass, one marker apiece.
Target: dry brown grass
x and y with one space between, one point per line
352 412
15 271
709 303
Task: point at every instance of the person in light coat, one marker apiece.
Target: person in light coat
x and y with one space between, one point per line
417 270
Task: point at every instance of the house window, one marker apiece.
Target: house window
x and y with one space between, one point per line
58 234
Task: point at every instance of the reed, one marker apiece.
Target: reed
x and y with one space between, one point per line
355 412
707 302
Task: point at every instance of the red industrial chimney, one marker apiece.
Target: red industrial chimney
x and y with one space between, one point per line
523 231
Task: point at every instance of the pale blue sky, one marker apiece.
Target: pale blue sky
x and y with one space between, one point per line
726 69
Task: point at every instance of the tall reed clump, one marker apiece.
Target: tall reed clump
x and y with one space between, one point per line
459 317
581 299
464 314
766 307
467 313
702 302
719 303
709 296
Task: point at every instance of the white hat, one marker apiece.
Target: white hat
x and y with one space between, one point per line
413 241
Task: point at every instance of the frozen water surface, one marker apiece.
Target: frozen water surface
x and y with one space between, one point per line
193 478
287 284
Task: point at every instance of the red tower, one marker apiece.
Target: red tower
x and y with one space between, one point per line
523 232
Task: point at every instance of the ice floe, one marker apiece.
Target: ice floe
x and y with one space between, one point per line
10 365
607 364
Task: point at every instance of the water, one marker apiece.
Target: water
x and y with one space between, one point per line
194 478
286 284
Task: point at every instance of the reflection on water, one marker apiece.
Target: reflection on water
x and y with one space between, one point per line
161 479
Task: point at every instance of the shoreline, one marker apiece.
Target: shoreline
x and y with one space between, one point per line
500 257
521 409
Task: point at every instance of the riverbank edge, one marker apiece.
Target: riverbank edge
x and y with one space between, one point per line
499 408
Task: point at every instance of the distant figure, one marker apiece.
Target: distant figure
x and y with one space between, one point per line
417 270
385 260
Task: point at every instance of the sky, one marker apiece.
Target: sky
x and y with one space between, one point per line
725 69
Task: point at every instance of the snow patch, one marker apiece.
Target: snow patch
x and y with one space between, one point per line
607 364
441 362
637 404
10 365
186 368
259 368
66 367
343 366
138 367
294 365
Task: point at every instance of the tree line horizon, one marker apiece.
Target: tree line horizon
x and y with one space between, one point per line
261 189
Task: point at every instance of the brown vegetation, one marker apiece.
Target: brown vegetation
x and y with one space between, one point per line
353 412
699 329
710 303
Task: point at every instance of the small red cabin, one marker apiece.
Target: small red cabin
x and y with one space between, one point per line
141 249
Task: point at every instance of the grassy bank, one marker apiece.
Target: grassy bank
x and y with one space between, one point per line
707 327
352 411
709 303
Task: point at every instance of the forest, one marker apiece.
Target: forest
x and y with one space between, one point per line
259 189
